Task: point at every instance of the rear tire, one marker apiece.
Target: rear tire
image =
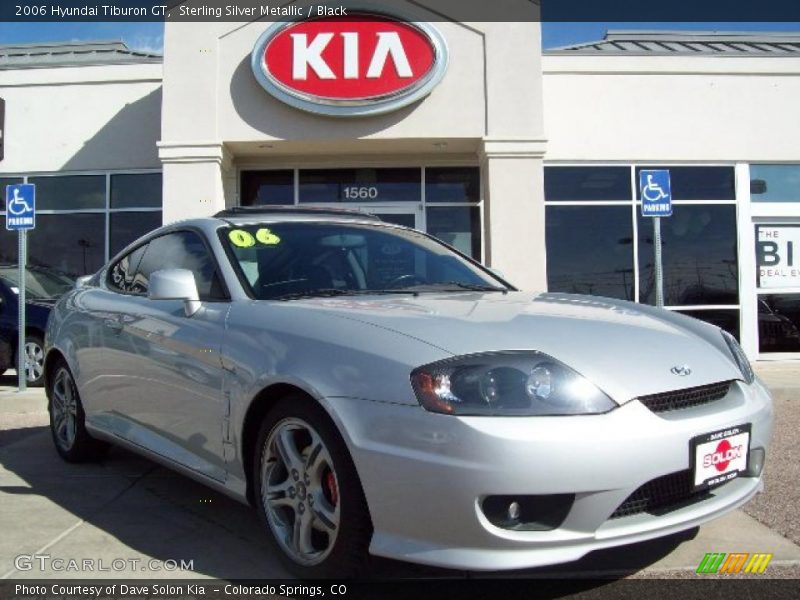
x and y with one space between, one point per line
34 360
308 494
67 419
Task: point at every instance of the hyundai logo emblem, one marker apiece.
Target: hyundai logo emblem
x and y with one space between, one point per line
682 370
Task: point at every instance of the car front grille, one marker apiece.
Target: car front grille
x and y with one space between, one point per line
686 398
662 495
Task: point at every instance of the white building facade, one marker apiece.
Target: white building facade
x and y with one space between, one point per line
525 161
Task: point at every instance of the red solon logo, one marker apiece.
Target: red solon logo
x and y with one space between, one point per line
722 456
354 65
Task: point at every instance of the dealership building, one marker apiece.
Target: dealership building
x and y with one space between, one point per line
525 160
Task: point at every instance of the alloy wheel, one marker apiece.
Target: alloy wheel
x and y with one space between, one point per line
65 409
300 491
34 361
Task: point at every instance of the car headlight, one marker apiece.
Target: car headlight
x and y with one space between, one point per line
739 357
507 384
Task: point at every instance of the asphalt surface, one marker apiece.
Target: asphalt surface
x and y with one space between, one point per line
129 508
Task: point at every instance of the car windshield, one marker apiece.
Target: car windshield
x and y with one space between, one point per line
295 260
39 283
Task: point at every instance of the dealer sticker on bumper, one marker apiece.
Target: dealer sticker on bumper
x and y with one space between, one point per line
720 456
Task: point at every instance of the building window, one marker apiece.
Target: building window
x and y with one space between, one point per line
590 250
779 323
127 227
74 214
564 184
699 252
598 244
322 186
70 192
452 184
699 183
775 183
270 188
451 199
136 190
458 226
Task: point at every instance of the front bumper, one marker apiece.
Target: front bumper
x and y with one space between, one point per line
425 475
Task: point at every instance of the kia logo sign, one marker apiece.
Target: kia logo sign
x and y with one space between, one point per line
362 64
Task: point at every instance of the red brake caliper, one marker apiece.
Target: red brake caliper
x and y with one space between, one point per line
330 481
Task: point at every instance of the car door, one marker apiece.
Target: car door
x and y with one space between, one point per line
171 367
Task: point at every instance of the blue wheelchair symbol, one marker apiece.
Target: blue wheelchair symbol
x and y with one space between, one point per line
656 193
20 206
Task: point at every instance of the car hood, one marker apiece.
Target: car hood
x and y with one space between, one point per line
628 350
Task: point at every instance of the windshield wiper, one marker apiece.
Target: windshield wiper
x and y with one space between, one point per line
333 292
472 287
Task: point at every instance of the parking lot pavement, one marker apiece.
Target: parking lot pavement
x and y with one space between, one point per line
130 510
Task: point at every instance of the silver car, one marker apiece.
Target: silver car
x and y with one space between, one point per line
372 391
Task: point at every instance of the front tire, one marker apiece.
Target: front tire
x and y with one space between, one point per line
308 492
67 419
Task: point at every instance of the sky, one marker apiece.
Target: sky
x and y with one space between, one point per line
149 37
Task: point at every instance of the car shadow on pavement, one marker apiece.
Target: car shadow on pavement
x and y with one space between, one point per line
128 506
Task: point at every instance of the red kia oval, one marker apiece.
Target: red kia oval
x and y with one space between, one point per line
359 60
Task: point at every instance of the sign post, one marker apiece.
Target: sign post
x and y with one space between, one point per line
21 216
656 192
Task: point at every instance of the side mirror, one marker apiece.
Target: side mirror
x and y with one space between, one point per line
175 284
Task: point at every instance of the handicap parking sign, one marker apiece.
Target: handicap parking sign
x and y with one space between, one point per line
656 193
20 206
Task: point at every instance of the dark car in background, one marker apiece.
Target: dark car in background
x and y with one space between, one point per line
42 288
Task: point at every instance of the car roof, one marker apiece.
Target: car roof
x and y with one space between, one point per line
282 213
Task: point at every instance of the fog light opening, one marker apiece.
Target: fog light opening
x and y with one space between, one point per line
756 464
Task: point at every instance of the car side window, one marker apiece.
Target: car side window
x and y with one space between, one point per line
182 250
122 276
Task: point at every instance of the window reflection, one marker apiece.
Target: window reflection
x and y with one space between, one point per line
70 192
727 320
70 244
136 190
127 227
587 183
590 250
699 249
775 183
779 323
458 226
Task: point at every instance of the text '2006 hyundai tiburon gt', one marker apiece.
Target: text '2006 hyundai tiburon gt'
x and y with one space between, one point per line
372 391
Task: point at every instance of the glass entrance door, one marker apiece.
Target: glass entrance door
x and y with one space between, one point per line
405 216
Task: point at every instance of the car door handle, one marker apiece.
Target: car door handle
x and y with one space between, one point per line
114 325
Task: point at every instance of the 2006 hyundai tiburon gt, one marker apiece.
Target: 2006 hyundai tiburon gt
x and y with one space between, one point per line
371 390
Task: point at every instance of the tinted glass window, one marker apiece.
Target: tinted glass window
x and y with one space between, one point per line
587 183
779 323
458 226
590 250
289 259
698 183
699 248
70 244
361 185
5 181
136 190
122 275
127 227
267 188
775 183
724 319
452 184
72 192
181 250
